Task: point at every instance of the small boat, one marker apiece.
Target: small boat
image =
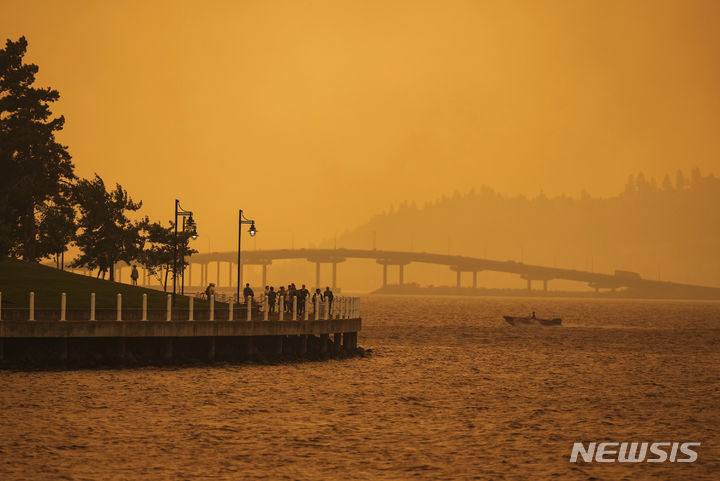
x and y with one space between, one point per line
527 321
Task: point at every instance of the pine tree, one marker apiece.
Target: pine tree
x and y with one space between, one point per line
679 180
158 256
34 166
106 233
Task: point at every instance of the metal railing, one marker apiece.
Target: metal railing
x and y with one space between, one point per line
341 307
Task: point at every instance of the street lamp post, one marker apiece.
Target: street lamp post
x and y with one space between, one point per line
187 226
252 231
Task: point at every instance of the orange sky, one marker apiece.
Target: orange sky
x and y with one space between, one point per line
314 116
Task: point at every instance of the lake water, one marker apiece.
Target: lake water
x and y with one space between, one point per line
449 392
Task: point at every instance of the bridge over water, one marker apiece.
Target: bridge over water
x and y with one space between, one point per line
460 264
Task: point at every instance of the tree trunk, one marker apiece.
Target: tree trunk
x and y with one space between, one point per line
111 267
29 230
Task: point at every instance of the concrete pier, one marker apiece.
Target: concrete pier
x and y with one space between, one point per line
87 343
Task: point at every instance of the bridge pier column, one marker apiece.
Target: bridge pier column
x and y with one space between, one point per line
63 350
317 274
401 274
458 279
384 280
264 275
529 285
545 285
168 349
474 279
230 264
217 284
122 349
350 340
211 349
334 275
302 344
324 341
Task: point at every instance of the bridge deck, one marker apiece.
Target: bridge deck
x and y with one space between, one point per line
468 264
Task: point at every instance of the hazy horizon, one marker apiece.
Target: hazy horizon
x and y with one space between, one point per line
316 117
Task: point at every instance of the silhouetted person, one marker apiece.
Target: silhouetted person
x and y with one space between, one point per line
328 295
134 275
533 315
292 292
317 299
102 265
302 295
272 297
210 291
248 293
282 294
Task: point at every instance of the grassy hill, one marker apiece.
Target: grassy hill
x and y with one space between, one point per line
18 279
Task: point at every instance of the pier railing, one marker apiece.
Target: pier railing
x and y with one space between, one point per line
341 307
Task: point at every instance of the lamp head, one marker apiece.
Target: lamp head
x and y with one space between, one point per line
252 230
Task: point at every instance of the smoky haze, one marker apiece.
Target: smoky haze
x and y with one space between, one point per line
662 230
315 117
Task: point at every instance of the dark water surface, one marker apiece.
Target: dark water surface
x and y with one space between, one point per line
450 392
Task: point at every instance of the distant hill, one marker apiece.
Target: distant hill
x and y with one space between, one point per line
668 230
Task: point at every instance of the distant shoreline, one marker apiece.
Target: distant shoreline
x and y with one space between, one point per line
414 290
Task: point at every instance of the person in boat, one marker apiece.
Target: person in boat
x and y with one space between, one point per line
533 315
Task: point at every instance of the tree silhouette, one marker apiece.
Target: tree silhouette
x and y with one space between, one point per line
57 227
34 165
159 252
105 229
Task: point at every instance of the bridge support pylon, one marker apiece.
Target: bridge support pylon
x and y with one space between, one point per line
318 260
401 271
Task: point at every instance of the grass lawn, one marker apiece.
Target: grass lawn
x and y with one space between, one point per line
18 279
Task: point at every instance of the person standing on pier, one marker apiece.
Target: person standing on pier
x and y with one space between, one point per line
272 297
292 292
328 295
317 299
210 291
282 294
248 293
302 294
